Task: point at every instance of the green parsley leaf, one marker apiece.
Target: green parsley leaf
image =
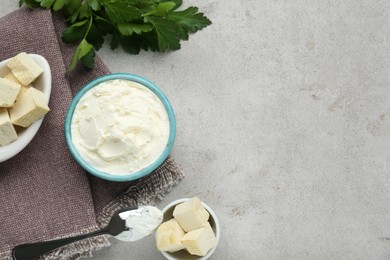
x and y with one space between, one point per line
59 4
189 19
166 32
83 49
130 28
84 11
143 5
94 4
130 44
148 41
47 3
88 60
162 9
155 25
178 4
29 3
72 6
104 26
74 32
121 11
95 37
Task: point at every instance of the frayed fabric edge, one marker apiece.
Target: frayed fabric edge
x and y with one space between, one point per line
144 191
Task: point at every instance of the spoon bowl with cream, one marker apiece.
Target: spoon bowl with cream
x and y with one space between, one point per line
120 127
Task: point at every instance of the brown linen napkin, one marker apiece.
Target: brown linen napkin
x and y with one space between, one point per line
44 194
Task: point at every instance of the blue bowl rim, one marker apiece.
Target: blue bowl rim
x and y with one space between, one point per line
143 172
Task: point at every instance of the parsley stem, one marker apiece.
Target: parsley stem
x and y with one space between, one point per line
97 17
89 27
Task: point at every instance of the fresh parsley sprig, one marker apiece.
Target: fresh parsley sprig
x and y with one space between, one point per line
155 25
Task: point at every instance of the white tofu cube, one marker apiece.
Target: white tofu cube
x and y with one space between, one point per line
30 106
191 214
11 77
200 241
25 69
7 130
8 92
168 236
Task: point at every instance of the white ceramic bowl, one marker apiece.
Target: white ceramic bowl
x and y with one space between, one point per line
183 254
43 83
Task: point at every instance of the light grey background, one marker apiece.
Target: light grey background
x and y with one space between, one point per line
283 126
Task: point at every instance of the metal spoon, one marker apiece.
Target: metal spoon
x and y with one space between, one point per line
128 224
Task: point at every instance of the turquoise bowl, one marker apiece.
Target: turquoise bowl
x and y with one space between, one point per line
135 175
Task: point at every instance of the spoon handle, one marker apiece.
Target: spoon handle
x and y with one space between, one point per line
34 250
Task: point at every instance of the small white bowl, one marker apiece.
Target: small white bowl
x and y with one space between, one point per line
183 254
43 83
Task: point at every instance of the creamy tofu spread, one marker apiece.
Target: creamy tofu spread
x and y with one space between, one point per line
120 127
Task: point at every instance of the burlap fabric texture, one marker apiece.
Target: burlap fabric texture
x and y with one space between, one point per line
44 194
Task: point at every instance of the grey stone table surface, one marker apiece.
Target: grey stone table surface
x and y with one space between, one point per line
283 126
